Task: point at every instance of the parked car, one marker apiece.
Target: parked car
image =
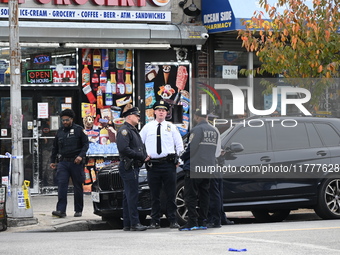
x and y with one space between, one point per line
309 147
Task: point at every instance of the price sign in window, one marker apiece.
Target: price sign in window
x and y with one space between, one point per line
230 72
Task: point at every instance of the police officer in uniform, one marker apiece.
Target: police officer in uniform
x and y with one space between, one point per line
163 143
216 215
132 154
69 147
200 152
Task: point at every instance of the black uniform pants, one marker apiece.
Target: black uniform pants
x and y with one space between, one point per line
216 200
163 174
65 170
130 195
193 189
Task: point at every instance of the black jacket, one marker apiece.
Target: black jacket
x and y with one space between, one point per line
70 143
201 148
130 144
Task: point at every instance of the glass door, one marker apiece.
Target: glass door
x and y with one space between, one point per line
30 170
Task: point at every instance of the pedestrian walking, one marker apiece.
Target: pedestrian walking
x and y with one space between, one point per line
132 154
69 149
200 152
163 144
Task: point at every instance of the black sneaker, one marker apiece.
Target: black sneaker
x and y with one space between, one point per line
227 222
77 214
154 226
188 227
59 214
212 225
126 228
138 227
174 225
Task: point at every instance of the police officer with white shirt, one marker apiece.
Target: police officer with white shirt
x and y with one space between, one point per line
163 144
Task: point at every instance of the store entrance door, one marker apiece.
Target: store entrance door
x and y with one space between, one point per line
38 134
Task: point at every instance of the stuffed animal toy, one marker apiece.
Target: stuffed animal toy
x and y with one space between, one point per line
88 122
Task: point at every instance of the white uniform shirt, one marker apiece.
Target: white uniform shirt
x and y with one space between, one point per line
171 139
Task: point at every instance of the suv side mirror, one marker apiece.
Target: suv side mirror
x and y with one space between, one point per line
234 147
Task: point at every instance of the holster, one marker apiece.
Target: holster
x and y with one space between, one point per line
128 163
173 158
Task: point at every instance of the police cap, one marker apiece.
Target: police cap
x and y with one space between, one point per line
199 113
161 105
133 110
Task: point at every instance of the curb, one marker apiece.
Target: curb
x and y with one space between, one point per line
21 222
82 225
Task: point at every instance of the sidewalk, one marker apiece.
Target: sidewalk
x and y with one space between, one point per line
43 205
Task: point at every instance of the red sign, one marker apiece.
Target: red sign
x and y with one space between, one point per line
64 74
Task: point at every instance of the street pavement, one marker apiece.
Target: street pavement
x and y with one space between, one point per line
43 205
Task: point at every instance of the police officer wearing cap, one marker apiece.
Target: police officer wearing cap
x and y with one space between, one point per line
69 147
132 155
201 152
163 143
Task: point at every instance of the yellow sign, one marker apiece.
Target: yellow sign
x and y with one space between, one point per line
25 189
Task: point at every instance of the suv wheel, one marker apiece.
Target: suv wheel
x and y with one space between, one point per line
181 208
270 216
328 206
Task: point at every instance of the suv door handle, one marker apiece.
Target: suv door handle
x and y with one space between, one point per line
266 158
321 153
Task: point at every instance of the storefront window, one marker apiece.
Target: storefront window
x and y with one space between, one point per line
227 67
41 67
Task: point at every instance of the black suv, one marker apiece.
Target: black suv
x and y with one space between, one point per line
272 166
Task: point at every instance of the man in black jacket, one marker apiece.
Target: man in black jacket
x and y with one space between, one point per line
200 153
132 155
69 147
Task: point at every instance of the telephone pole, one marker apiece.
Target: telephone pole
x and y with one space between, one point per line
17 178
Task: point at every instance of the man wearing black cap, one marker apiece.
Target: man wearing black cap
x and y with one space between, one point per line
69 147
201 153
132 154
163 143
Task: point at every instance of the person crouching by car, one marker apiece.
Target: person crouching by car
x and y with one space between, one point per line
132 154
200 152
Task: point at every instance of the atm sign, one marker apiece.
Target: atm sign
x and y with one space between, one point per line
39 76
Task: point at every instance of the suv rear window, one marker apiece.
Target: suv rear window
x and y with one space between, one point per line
290 138
328 135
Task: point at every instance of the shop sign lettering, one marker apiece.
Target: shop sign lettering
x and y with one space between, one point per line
39 76
41 59
67 75
139 3
116 15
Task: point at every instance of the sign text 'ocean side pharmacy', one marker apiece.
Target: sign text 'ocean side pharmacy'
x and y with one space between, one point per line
217 16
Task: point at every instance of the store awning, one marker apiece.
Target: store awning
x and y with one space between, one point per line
105 33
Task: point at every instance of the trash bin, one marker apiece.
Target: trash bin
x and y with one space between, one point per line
3 215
